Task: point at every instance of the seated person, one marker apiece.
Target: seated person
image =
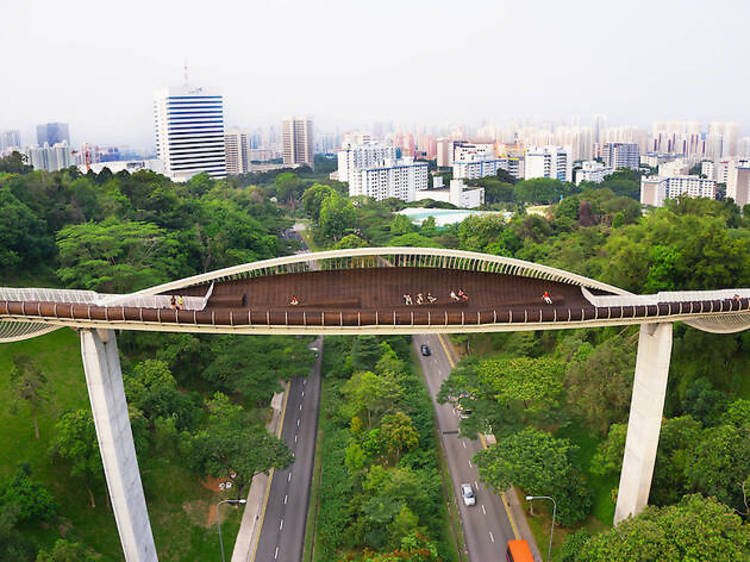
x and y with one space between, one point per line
430 298
408 299
454 296
546 297
420 298
294 301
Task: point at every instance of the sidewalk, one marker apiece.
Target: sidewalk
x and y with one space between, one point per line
247 537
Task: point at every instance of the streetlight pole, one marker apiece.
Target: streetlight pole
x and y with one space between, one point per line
218 521
554 512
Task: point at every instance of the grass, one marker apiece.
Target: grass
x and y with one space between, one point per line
178 502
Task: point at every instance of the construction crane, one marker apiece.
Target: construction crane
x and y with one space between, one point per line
85 152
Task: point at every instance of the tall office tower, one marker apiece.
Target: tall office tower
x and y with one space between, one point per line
621 155
549 162
738 183
600 123
52 133
237 145
444 152
743 147
190 132
10 139
297 141
353 159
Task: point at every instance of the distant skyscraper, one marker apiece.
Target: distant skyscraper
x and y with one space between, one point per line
297 141
600 123
237 145
353 159
11 138
190 133
50 158
52 133
621 155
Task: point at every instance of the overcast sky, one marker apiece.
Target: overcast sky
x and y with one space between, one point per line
349 62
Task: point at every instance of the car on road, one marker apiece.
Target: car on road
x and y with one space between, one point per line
467 493
425 349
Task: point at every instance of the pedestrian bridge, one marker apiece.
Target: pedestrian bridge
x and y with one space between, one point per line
362 291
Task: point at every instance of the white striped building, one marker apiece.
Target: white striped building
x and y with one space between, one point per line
190 133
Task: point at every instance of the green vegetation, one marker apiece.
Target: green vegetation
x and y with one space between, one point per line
197 405
381 492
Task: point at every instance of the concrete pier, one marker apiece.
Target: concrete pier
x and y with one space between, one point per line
110 411
644 425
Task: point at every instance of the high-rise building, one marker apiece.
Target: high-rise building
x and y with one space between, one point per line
297 141
237 146
592 171
655 189
444 148
400 179
621 155
190 132
50 158
353 159
549 162
600 123
738 184
474 166
10 139
52 133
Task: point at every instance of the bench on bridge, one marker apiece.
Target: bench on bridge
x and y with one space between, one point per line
228 301
346 302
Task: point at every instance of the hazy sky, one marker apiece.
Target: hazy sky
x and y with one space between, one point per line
348 62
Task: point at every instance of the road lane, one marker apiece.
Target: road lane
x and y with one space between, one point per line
486 526
283 532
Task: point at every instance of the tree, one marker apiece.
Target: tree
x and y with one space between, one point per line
275 359
287 188
599 383
401 224
370 395
336 216
23 236
697 528
66 550
233 447
75 443
718 465
538 463
15 163
32 500
29 384
312 200
398 434
115 256
542 190
532 384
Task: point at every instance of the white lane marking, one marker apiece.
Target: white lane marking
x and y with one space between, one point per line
276 553
492 537
288 478
295 438
281 526
484 511
463 443
470 463
300 406
304 381
475 484
297 422
303 393
286 497
293 454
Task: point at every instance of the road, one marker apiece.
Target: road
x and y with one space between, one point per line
487 528
283 532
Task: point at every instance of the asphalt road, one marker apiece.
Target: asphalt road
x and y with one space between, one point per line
486 526
283 532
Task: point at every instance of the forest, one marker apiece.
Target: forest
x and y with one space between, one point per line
559 400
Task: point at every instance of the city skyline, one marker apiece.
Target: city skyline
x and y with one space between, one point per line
648 67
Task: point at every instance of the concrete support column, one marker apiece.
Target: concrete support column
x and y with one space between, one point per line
110 410
644 425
